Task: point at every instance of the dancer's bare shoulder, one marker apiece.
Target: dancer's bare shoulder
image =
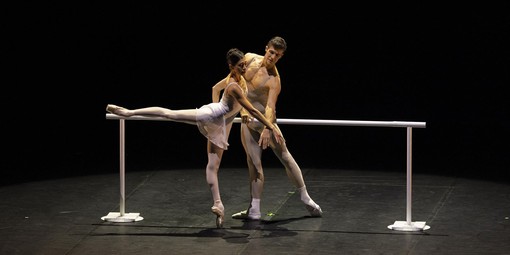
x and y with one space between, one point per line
249 57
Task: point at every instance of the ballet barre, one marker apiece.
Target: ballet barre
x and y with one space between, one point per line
407 225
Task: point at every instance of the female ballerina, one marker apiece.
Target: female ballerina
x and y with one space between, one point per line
212 120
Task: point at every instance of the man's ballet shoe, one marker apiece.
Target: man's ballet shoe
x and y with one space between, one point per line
314 210
240 215
219 216
243 215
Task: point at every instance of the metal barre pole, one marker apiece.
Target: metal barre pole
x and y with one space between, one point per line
317 122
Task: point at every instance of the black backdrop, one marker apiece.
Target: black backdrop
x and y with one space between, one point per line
65 61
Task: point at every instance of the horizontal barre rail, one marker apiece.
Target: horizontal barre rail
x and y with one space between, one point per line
363 123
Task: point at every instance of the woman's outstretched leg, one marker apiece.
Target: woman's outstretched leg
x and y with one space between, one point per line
121 111
188 116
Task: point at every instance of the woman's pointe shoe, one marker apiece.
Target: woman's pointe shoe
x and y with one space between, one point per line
219 216
116 110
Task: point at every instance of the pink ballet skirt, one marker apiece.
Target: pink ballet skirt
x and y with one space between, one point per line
211 123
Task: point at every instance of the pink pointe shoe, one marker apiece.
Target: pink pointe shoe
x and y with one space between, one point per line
219 216
117 110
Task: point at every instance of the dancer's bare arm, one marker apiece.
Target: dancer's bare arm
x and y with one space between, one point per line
237 93
270 110
216 90
274 91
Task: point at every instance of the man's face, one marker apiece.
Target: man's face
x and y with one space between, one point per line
272 56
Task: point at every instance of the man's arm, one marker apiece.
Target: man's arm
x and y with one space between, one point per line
270 110
274 91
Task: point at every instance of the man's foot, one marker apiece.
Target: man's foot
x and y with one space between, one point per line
219 216
243 215
314 209
240 215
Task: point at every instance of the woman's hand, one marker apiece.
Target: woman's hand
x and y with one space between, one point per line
278 135
246 119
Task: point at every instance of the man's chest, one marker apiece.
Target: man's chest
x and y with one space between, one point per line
260 80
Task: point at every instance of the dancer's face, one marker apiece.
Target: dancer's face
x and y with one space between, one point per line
272 56
240 67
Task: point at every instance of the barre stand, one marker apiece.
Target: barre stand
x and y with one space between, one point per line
409 225
122 216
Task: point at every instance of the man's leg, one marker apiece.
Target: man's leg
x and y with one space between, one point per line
295 175
249 139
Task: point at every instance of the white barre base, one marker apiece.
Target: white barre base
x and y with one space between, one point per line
127 217
404 226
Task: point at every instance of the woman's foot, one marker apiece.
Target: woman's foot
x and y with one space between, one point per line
220 215
118 110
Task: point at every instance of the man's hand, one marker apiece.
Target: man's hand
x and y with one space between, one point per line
265 137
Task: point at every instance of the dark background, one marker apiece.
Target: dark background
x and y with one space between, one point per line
443 65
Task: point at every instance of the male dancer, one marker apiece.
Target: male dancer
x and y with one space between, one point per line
264 86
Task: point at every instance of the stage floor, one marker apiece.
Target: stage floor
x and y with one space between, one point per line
65 216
